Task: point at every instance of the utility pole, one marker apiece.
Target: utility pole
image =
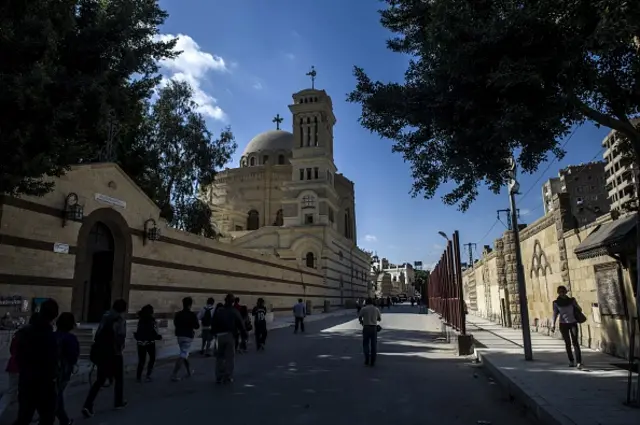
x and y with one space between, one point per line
470 247
514 188
507 211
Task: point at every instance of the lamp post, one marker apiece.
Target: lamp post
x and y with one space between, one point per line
514 188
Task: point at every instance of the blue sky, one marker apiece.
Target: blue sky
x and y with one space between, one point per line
246 57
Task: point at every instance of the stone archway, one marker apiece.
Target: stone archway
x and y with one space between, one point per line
103 220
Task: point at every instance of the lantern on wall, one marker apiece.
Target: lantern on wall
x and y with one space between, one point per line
73 211
151 231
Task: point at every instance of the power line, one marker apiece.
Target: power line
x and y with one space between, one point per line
488 231
553 160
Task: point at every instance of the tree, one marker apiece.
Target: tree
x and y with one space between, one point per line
177 156
491 78
421 278
68 68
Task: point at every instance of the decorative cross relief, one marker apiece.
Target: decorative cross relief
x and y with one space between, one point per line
539 264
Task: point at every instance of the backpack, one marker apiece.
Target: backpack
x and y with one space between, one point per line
208 317
103 343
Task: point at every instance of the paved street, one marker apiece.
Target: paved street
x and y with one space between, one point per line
319 378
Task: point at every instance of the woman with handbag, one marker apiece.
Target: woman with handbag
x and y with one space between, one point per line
567 309
146 336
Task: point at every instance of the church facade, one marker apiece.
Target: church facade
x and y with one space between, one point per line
287 199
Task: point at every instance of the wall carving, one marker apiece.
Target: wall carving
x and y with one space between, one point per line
539 264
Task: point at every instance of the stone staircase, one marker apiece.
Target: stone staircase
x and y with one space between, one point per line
85 338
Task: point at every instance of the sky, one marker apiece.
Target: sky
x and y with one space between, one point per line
245 58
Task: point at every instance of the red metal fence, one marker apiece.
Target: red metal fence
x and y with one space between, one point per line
445 287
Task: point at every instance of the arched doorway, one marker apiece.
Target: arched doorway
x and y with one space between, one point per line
103 264
100 247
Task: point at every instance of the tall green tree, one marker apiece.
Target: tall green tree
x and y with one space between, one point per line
489 78
179 155
70 71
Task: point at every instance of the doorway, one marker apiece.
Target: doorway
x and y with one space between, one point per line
101 251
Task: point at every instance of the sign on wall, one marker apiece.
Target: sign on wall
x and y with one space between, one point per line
114 202
610 301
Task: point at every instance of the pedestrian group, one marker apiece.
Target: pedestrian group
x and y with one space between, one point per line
43 357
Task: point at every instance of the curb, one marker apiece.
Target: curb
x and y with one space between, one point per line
538 406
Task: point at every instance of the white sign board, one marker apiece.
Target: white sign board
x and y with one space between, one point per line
61 248
110 201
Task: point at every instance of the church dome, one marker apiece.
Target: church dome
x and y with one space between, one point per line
272 140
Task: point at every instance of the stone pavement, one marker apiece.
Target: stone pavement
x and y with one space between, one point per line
319 378
556 393
168 354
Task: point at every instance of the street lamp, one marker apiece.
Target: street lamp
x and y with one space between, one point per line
444 235
514 189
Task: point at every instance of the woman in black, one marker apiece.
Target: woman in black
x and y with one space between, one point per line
146 337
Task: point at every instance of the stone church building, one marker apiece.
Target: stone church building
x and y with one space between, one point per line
287 199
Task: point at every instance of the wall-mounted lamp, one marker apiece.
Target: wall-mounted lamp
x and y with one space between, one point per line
151 231
73 211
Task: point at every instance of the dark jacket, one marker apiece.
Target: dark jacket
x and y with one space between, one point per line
147 331
113 328
37 353
69 353
228 319
186 322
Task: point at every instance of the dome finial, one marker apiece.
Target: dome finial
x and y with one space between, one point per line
312 74
277 119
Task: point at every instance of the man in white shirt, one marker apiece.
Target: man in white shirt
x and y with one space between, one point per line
369 317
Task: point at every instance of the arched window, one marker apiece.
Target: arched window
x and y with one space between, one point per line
280 159
253 220
348 231
301 133
252 162
279 221
308 131
315 130
311 261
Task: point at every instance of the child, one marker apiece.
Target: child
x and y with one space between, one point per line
69 354
260 319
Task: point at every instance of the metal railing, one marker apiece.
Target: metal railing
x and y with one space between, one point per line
445 287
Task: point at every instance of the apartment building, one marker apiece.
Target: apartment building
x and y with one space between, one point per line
585 184
619 172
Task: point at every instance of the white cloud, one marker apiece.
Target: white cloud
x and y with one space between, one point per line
192 66
370 238
525 211
437 247
257 85
290 56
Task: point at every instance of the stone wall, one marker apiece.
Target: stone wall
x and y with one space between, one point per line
41 258
547 246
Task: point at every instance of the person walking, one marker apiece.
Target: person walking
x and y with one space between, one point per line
69 354
227 322
106 355
369 317
259 314
205 316
299 313
567 309
186 323
146 336
37 357
244 313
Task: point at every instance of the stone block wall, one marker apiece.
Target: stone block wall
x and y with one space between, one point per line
547 246
41 258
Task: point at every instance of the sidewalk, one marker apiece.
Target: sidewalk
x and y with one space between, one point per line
555 393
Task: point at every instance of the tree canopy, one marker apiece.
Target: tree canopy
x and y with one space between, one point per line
492 78
69 69
179 155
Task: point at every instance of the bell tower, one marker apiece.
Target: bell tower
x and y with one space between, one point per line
312 165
